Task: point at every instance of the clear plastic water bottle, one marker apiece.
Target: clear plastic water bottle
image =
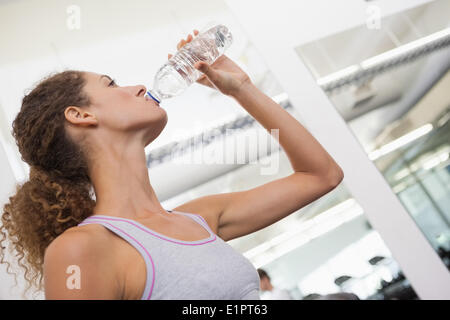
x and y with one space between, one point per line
179 73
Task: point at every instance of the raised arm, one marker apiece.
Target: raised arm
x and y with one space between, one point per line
315 173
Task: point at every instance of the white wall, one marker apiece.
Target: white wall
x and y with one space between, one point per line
8 289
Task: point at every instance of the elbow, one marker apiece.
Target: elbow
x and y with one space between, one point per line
334 177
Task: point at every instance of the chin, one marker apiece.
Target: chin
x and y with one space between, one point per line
156 129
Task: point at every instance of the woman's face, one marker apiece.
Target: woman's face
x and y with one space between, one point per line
123 109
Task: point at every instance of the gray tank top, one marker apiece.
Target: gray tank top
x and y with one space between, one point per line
206 269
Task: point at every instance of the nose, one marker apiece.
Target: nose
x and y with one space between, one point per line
140 90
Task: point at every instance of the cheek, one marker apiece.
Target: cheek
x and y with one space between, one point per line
116 113
121 97
111 101
119 102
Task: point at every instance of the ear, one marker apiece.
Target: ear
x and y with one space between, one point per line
79 116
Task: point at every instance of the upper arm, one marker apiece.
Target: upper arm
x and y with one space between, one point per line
74 258
237 214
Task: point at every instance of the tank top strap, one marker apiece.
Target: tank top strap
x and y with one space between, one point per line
132 240
198 218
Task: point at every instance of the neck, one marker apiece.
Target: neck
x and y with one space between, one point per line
121 182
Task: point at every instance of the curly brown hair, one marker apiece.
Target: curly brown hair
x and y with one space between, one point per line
58 194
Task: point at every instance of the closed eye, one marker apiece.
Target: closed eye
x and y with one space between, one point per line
112 83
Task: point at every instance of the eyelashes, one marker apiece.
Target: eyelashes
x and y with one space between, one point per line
112 83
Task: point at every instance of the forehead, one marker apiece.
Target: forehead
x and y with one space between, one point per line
95 81
92 76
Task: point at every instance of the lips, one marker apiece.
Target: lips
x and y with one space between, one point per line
147 98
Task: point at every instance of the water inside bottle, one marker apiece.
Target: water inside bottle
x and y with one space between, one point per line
179 72
169 82
208 47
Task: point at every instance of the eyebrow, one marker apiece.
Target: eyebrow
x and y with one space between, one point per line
104 75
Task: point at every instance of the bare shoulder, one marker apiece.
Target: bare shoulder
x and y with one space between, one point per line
77 241
77 266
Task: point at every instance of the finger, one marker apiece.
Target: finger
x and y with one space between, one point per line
183 42
206 69
180 44
196 32
170 56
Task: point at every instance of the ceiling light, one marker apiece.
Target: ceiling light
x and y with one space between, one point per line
433 162
400 142
405 48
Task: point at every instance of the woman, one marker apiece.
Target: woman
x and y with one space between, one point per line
79 132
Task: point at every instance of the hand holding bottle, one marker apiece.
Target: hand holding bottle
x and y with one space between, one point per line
224 74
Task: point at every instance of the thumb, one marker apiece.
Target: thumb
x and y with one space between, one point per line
206 69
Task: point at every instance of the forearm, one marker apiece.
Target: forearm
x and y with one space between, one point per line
304 152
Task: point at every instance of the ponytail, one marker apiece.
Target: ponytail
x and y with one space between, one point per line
58 194
42 208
